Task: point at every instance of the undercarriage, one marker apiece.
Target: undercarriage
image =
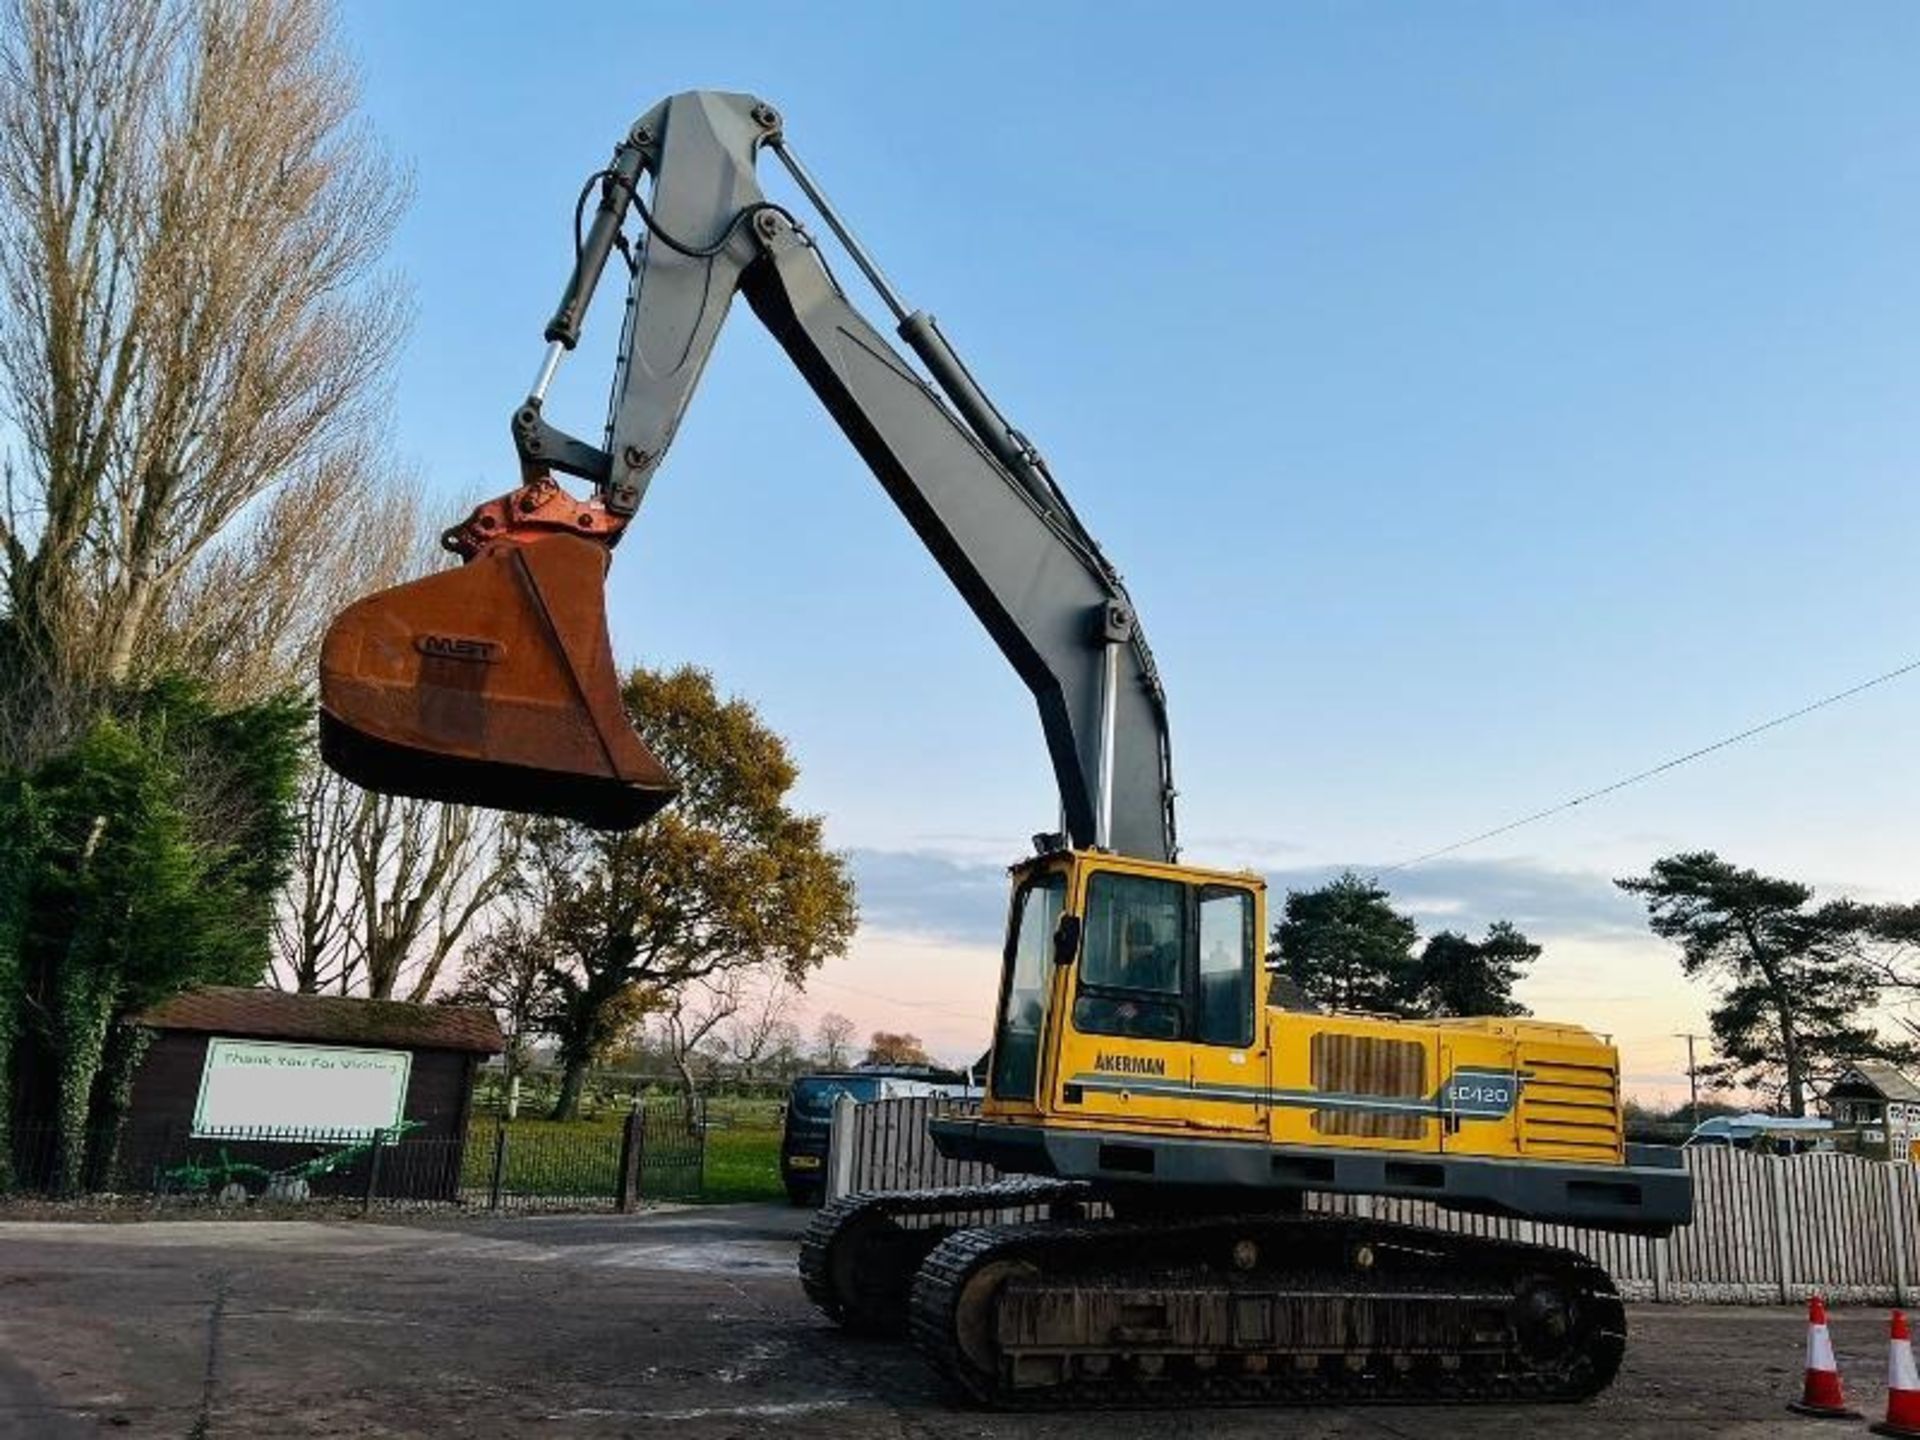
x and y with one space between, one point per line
1098 1303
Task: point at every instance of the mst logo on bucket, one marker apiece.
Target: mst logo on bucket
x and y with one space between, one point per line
460 647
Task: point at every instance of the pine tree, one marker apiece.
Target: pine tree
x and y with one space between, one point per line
1796 988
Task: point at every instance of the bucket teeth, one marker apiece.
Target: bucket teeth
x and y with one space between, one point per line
491 685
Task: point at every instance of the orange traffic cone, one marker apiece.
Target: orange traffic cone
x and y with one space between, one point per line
1903 1384
1821 1398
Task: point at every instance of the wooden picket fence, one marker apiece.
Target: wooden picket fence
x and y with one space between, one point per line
1767 1229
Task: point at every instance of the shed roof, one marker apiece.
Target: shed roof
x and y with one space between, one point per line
1887 1079
327 1019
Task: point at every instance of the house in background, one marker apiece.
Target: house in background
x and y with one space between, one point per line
1882 1103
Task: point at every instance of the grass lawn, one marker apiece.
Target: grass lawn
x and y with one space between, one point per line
743 1152
742 1165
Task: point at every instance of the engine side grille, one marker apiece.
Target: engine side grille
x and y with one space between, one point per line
1373 1066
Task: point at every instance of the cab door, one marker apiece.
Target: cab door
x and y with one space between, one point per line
1229 1055
1017 1075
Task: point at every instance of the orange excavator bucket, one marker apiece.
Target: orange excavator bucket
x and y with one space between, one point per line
493 684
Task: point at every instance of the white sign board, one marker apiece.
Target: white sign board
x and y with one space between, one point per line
265 1085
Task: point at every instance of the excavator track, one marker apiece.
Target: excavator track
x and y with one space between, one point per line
1260 1310
859 1254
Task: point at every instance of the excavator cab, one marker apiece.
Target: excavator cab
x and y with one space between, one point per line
494 684
1126 983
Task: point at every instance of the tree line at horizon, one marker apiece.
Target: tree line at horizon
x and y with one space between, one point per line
1801 988
743 1057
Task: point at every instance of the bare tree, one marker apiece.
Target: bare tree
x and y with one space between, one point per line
312 930
760 1029
384 891
421 872
249 619
190 322
833 1034
689 1016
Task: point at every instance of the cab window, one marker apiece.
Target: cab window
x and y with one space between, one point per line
1164 960
1227 956
1133 958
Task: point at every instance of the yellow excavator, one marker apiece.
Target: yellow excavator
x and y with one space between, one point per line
1150 1096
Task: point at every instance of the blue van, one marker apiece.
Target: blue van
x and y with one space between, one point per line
809 1122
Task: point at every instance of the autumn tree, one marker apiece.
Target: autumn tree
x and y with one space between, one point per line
886 1047
1794 990
591 1023
728 879
833 1040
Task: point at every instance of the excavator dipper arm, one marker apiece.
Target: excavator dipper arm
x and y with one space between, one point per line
994 522
973 489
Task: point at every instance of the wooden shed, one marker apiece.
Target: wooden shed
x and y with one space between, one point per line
264 1068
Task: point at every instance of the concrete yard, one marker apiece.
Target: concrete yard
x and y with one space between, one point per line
689 1321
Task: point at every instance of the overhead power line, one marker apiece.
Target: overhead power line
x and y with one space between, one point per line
1775 723
895 999
1634 779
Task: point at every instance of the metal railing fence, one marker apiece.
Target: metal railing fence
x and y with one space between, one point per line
652 1153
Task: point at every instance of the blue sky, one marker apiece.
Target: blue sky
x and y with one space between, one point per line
1483 401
